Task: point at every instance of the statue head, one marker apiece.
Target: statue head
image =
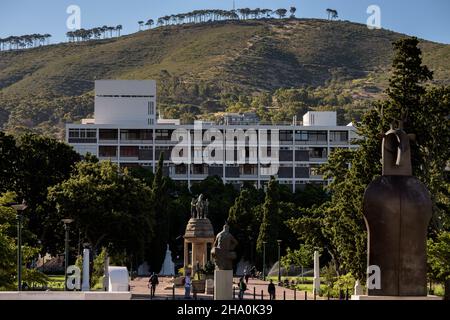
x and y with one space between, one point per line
396 152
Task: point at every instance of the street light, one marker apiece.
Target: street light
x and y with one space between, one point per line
279 262
264 260
66 222
19 207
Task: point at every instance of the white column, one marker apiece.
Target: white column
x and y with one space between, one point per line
106 276
85 286
316 280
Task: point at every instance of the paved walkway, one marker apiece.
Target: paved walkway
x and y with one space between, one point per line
164 291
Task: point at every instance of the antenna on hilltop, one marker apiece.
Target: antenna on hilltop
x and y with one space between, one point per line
234 5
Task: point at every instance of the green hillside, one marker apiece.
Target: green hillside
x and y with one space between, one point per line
210 67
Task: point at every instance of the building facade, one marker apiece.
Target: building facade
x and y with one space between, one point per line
125 131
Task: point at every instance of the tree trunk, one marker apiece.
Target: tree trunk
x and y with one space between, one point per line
447 289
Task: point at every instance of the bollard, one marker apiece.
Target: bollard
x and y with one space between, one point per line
295 293
346 295
262 294
314 295
306 295
254 293
284 295
328 295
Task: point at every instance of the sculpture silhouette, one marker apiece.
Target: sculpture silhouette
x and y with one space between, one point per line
222 251
397 211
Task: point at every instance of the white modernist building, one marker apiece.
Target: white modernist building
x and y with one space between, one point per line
125 130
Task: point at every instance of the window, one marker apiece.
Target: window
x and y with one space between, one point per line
129 152
285 135
107 151
151 108
338 136
162 134
317 136
301 135
135 134
82 135
318 153
107 134
181 169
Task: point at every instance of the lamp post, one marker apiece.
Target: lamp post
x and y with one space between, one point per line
66 222
19 207
264 260
279 262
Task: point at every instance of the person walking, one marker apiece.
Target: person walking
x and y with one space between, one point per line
187 287
271 290
246 276
153 282
242 288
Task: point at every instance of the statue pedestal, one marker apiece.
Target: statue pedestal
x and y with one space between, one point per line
394 298
223 284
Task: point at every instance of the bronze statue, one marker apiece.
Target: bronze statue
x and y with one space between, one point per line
397 211
199 207
222 251
193 210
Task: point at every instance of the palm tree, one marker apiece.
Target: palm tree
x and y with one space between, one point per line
292 11
141 23
118 28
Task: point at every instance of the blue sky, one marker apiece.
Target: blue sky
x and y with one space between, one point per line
427 19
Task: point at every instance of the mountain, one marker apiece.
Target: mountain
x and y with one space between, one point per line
207 67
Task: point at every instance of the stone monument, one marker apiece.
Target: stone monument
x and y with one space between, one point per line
199 235
168 267
223 254
397 211
316 279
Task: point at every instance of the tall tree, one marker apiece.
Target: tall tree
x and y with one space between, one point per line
9 162
110 207
243 222
159 202
268 231
339 225
43 162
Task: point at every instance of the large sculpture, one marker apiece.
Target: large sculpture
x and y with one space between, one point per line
222 251
397 211
199 208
